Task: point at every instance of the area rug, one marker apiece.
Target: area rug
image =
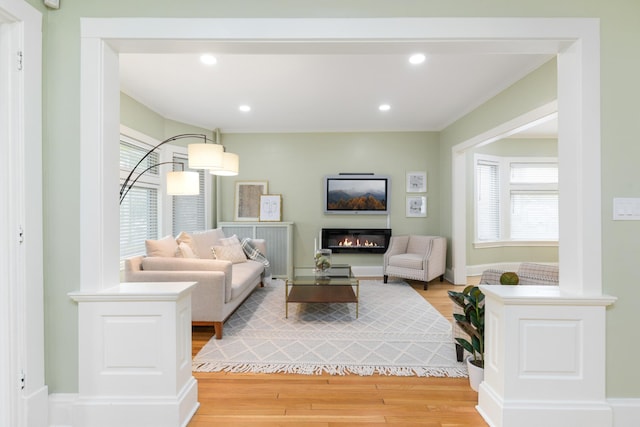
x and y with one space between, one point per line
397 333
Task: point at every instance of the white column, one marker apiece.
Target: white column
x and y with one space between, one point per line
544 358
135 356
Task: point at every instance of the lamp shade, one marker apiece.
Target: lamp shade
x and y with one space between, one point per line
205 156
230 165
180 183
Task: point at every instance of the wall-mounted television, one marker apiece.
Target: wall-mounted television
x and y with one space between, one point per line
356 194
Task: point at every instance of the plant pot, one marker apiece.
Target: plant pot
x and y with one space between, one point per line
476 374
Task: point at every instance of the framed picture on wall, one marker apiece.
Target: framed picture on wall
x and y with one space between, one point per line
416 206
416 182
247 200
271 207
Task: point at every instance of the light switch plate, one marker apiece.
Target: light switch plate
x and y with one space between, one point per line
626 209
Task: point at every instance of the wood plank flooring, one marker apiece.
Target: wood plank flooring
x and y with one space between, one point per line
334 401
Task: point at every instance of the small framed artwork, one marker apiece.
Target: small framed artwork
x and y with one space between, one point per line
247 206
416 182
416 206
271 207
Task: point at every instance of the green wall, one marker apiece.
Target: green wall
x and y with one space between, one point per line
620 35
294 165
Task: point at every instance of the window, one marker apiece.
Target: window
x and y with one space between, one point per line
139 209
516 200
188 212
146 212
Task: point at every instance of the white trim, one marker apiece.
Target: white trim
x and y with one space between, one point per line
516 243
61 409
626 412
459 173
575 40
21 300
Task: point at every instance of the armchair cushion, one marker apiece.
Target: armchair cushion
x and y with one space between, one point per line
407 261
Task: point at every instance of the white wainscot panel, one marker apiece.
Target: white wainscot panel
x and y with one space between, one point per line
131 342
548 348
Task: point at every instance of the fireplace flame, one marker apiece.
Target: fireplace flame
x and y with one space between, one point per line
350 243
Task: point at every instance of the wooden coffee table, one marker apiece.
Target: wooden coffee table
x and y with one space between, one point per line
337 286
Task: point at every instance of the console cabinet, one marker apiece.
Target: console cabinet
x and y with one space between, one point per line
278 237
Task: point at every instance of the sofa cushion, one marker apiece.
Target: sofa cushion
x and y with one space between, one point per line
233 253
230 241
202 242
245 274
184 264
187 240
165 247
185 251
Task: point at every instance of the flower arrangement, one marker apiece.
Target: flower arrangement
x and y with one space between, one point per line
322 259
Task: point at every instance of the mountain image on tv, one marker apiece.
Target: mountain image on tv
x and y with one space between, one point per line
367 195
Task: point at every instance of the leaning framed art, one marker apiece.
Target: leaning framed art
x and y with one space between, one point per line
271 207
247 199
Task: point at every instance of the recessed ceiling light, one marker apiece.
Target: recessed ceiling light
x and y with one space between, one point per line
208 59
417 58
384 107
244 108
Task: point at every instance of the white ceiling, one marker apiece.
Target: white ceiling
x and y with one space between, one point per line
320 90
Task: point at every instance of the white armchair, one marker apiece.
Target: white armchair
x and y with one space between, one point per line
415 257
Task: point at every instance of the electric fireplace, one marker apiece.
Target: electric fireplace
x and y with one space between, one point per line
356 240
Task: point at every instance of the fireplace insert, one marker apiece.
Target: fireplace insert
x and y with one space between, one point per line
356 240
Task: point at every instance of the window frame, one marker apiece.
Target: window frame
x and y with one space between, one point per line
506 188
165 202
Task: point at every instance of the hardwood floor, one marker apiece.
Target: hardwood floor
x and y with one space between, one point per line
326 401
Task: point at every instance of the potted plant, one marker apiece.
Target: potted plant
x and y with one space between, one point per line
471 300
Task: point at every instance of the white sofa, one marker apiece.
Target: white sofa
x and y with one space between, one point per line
224 282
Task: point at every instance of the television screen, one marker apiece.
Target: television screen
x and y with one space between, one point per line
353 194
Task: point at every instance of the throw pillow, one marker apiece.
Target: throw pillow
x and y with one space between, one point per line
230 241
187 239
233 253
186 251
165 247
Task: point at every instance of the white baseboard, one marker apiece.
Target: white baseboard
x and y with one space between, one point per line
61 409
36 407
626 412
367 270
69 410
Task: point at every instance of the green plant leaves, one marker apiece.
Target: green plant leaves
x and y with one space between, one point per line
471 300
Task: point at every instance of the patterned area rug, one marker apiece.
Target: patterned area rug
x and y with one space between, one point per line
397 333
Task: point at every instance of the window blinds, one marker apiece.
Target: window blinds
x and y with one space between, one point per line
188 211
139 210
488 200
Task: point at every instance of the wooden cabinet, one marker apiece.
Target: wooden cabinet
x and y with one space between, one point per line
278 237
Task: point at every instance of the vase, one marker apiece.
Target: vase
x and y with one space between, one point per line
322 261
476 374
